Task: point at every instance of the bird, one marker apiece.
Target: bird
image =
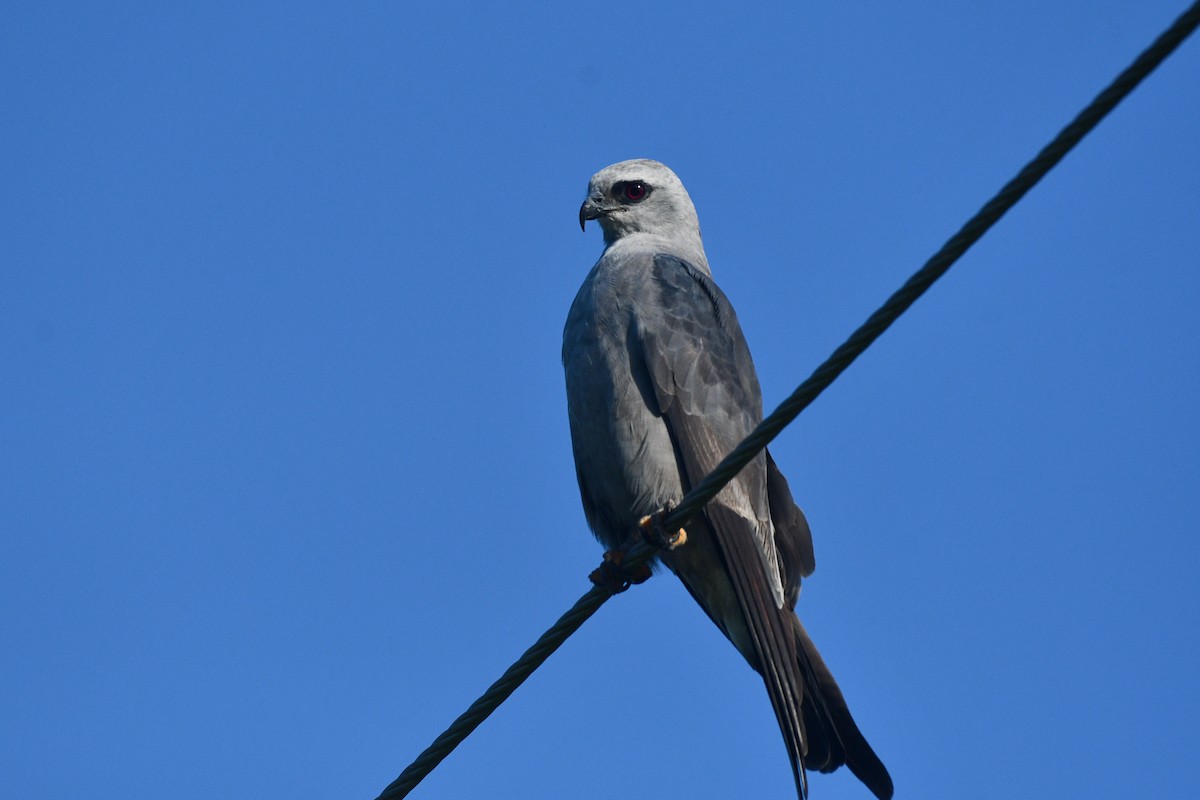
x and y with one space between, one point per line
660 387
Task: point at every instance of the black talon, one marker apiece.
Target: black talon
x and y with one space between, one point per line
613 575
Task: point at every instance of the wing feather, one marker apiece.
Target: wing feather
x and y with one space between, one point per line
707 392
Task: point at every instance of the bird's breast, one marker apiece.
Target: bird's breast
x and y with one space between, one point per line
623 452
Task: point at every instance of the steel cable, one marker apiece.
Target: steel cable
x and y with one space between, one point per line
808 391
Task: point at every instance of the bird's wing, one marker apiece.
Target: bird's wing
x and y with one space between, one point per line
706 389
707 392
792 535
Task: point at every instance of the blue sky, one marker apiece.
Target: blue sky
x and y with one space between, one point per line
286 477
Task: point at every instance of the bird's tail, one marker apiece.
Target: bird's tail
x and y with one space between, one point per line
830 733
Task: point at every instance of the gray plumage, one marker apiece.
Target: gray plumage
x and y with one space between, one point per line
660 387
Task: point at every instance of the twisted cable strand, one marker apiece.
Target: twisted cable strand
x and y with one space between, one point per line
934 268
808 391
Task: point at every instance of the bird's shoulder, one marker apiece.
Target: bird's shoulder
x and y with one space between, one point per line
693 342
681 327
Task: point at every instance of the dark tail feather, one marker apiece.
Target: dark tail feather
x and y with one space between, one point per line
833 738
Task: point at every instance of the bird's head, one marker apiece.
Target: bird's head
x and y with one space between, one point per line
639 196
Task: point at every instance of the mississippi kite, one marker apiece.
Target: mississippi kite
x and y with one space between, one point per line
660 387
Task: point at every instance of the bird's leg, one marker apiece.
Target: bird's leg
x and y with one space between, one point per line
653 531
613 575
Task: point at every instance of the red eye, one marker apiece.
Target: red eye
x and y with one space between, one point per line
633 191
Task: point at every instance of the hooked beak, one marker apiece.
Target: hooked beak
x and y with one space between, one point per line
591 209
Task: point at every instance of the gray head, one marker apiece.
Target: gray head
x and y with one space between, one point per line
640 196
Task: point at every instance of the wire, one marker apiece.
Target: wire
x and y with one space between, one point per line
808 391
933 269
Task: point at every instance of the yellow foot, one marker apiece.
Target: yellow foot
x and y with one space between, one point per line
652 530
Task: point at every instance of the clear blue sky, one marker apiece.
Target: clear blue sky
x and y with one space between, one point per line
285 477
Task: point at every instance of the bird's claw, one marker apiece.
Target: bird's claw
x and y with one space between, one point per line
653 531
614 576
